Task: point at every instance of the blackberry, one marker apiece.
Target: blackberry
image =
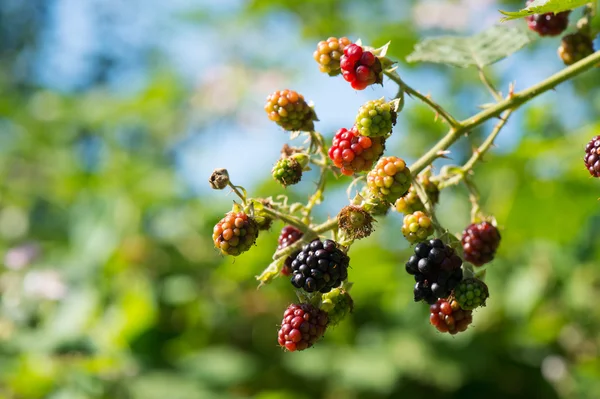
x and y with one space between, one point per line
288 236
480 242
374 205
548 24
375 118
389 179
411 202
290 111
447 316
287 171
361 68
320 266
592 156
337 303
471 293
301 327
417 227
354 153
436 268
356 222
328 54
235 233
575 47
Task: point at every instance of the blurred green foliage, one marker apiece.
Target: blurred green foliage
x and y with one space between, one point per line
112 289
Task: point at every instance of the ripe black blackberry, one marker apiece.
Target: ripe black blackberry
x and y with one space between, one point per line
592 156
436 268
288 236
548 24
320 266
480 242
301 327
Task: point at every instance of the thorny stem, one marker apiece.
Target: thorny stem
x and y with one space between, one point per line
321 148
490 86
439 110
512 102
291 220
237 192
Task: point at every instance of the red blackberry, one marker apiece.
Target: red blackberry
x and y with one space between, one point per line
592 156
375 118
320 266
436 268
575 47
417 227
301 327
287 171
411 202
447 316
354 153
548 24
471 293
235 233
480 242
328 54
360 68
288 236
389 179
290 111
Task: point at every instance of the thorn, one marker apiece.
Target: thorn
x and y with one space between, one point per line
442 154
511 89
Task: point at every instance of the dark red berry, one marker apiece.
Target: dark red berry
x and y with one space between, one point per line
449 317
320 266
360 68
548 24
288 236
592 156
301 327
480 242
353 153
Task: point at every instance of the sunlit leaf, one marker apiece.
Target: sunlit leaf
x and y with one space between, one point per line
543 7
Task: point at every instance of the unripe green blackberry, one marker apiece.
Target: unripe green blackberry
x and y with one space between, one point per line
417 227
328 54
389 179
374 205
356 222
287 171
471 293
235 233
338 304
575 47
375 118
411 202
290 111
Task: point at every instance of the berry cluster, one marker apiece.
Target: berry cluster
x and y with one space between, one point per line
328 54
301 327
548 24
288 236
575 47
354 153
287 171
320 266
480 242
447 316
592 156
411 202
290 111
235 233
389 179
375 118
417 227
436 268
471 293
360 67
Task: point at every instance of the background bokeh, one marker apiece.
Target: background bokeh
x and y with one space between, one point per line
112 116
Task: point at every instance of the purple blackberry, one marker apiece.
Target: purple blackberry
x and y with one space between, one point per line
320 266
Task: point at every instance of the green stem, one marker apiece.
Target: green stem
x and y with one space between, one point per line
489 85
291 220
238 193
439 110
512 102
306 238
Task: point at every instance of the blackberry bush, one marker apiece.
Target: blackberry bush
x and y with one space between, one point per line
320 266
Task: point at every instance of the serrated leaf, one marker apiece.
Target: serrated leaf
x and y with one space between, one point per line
482 49
543 7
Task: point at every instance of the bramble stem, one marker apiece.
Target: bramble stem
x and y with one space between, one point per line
237 192
439 110
490 86
512 102
291 220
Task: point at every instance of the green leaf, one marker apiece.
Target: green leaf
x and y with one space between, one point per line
543 7
480 50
